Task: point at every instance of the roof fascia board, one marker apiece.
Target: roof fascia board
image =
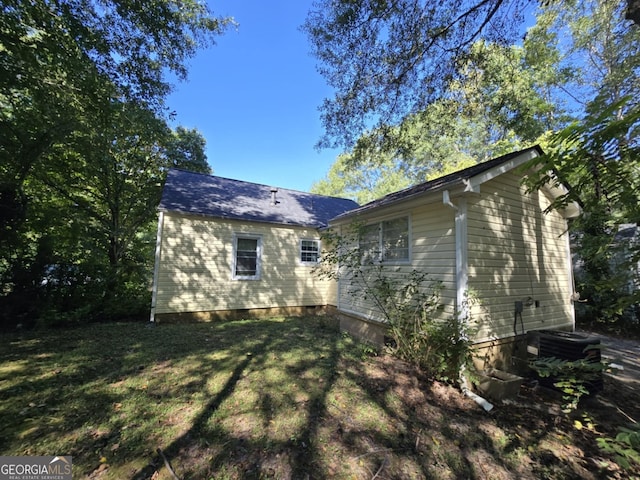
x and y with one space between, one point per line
473 184
552 192
555 190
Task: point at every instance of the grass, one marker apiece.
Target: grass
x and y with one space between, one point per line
278 398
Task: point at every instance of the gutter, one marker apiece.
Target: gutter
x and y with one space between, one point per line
462 281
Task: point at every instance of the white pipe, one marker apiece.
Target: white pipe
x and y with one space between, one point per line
446 199
483 402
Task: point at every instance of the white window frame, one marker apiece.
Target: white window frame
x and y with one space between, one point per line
248 236
300 251
380 254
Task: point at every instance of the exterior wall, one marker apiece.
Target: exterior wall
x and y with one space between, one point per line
516 252
432 250
194 270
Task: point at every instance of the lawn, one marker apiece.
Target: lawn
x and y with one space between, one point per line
286 398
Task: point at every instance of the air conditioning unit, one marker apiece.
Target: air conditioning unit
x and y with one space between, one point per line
568 346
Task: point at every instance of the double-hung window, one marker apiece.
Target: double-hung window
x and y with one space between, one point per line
309 251
386 241
247 252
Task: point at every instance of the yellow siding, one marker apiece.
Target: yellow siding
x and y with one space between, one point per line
514 251
432 239
517 253
195 268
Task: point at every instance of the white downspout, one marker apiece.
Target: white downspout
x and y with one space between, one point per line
156 268
462 281
462 275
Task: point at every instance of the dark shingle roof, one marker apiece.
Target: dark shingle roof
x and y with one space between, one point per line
440 183
199 194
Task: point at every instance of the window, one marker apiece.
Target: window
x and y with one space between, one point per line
395 240
309 251
247 250
386 241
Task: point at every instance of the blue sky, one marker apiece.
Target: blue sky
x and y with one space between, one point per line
255 97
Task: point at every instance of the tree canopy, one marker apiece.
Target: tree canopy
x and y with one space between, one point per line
84 146
388 59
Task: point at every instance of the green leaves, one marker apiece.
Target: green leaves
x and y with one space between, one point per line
408 301
625 446
84 144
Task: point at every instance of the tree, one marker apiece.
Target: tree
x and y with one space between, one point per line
185 150
387 60
633 11
598 160
83 140
63 61
597 155
93 216
362 182
499 103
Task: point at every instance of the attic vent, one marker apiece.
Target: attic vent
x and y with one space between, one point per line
274 191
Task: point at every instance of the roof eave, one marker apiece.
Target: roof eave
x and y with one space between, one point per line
465 184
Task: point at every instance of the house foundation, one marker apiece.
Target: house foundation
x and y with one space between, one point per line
238 314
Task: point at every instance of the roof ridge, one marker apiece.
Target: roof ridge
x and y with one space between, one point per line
211 175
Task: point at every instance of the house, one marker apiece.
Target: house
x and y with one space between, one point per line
225 245
481 234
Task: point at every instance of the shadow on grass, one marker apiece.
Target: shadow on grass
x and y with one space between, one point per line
199 424
111 394
279 398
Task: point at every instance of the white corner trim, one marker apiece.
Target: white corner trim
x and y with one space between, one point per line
156 267
572 286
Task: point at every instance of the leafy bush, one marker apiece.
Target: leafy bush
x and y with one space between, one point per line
625 447
409 303
573 380
573 377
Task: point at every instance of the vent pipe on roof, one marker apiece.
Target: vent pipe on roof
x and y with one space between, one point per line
274 190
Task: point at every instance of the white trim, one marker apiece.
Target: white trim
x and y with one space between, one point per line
252 236
462 259
572 286
462 252
156 267
309 264
473 183
572 210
